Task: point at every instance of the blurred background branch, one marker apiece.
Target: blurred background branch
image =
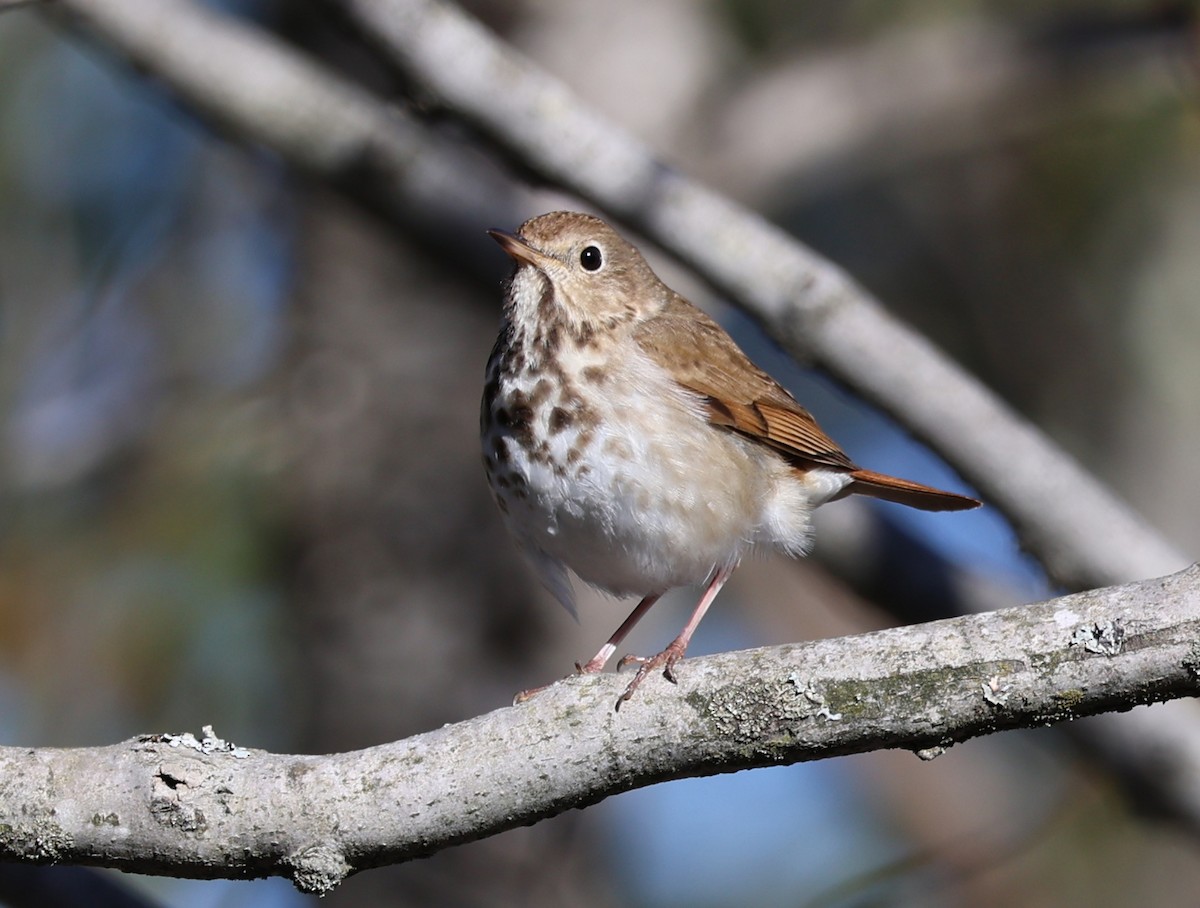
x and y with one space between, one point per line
1071 523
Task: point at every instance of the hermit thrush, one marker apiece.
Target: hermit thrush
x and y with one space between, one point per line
628 438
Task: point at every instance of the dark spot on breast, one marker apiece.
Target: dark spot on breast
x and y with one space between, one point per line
570 399
581 413
517 420
522 427
584 336
545 306
548 340
541 391
560 419
596 375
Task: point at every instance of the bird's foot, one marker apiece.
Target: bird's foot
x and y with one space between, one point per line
666 660
590 668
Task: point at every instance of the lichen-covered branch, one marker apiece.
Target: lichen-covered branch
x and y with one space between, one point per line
203 808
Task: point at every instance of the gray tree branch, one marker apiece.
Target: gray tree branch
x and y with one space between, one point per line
204 808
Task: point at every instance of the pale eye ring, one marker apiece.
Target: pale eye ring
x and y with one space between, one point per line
591 258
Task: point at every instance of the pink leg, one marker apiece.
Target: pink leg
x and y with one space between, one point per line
677 647
601 658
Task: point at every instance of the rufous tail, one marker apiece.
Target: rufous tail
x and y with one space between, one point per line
903 491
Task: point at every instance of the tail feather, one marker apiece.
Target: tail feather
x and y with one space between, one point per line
904 491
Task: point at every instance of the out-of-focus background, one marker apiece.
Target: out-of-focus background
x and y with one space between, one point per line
238 422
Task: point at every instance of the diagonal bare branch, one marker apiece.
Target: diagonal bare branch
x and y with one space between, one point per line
1079 531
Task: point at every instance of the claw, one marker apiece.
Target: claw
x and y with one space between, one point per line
666 660
633 685
522 695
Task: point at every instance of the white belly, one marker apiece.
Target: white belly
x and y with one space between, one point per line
641 494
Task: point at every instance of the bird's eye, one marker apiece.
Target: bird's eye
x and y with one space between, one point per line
591 259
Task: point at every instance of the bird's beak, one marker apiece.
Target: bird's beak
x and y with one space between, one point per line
518 250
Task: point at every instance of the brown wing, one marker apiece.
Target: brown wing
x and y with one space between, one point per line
704 359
